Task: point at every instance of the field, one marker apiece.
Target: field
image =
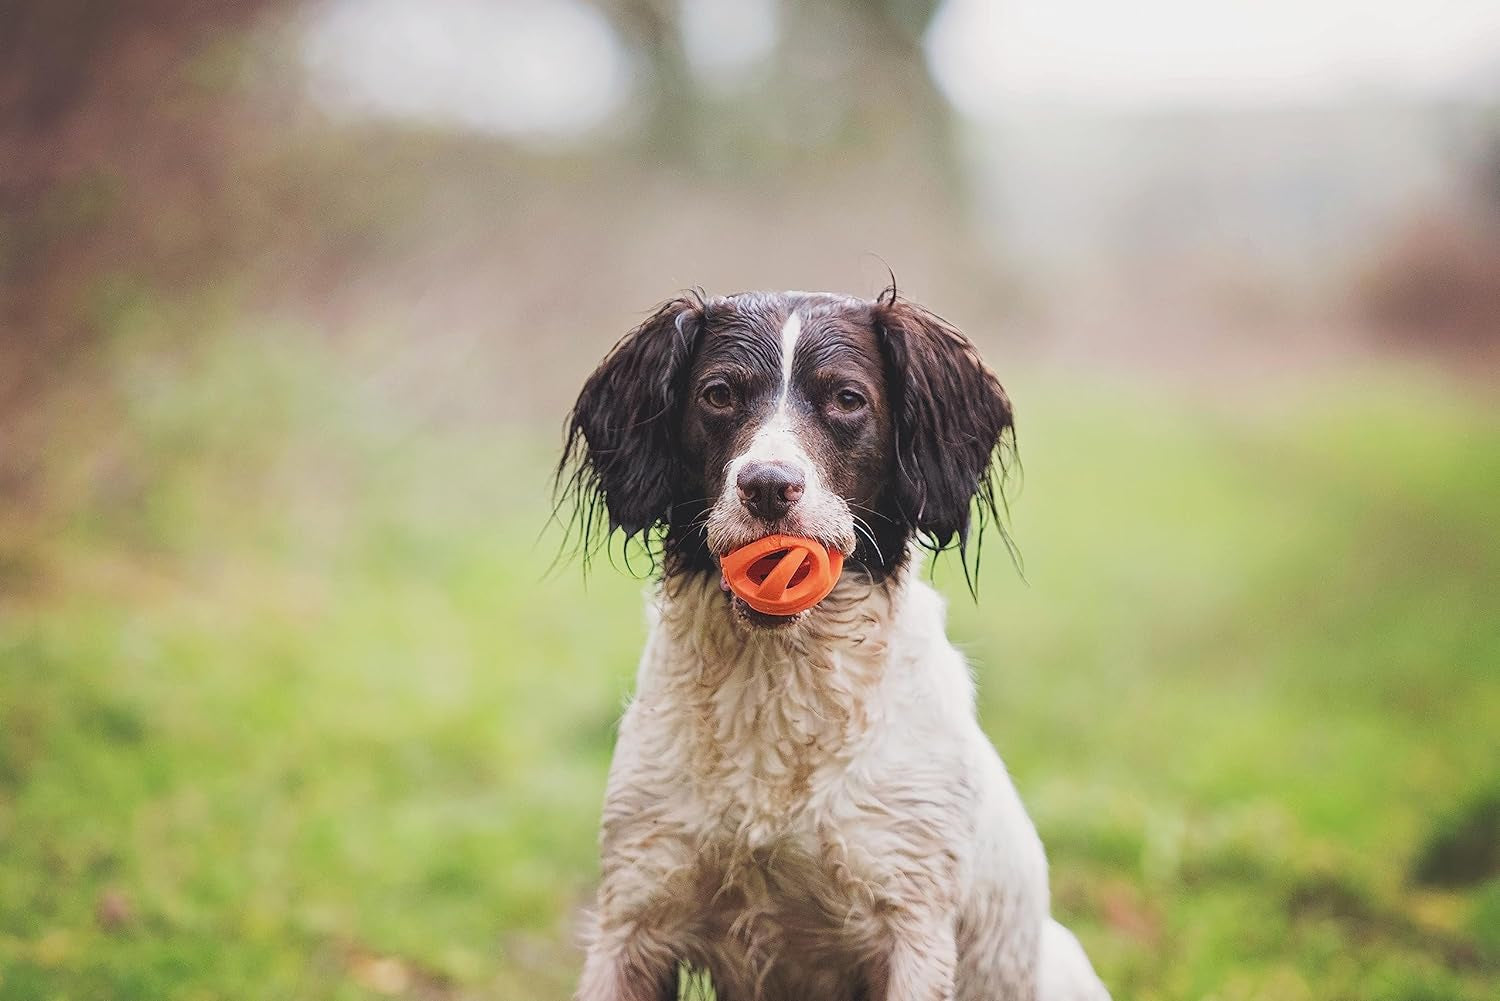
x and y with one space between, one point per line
294 705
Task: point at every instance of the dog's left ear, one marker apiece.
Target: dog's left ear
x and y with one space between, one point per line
619 442
951 418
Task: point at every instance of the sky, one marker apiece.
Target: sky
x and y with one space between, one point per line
531 69
553 69
989 55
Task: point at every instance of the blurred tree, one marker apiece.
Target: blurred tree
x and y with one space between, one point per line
650 28
891 96
104 130
844 74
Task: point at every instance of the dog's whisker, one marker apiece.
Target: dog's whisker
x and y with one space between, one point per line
861 526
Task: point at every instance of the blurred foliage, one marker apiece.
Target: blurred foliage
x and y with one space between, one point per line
117 121
1436 284
1465 845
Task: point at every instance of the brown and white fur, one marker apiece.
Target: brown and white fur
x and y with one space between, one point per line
805 807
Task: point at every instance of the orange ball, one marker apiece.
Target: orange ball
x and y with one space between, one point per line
782 574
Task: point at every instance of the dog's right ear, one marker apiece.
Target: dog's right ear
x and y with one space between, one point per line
619 449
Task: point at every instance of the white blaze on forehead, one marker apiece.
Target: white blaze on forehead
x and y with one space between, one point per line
777 439
790 331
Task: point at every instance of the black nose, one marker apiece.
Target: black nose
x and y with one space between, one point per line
769 489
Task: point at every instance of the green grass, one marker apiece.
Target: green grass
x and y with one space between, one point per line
290 707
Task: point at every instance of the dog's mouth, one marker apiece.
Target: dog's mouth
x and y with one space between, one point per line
758 572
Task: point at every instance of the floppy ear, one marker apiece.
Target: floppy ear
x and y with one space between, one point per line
619 449
951 420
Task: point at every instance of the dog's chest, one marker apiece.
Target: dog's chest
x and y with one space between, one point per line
770 749
770 781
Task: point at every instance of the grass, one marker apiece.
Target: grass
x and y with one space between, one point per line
291 708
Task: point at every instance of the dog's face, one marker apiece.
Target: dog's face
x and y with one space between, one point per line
854 422
788 427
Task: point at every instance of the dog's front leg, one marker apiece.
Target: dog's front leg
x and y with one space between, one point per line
635 945
920 964
628 968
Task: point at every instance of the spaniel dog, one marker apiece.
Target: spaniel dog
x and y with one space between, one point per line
804 807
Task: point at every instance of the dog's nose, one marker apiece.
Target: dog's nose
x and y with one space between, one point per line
769 489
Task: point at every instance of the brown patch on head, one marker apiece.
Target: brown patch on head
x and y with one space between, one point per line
838 386
888 407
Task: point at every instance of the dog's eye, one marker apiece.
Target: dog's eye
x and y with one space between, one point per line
718 395
848 401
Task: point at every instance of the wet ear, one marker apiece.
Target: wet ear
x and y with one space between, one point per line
619 452
951 420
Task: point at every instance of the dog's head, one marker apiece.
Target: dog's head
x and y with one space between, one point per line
858 423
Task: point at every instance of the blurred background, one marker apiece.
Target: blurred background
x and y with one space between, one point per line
294 296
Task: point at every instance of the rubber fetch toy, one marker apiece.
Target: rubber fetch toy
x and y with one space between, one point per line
782 574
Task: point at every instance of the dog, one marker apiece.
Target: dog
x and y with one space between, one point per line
804 807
